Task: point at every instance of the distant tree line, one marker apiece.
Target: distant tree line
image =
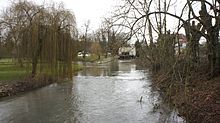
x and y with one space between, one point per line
103 41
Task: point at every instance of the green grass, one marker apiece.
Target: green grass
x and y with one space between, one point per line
8 60
77 67
11 71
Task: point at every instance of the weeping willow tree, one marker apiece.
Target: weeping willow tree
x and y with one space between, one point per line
43 37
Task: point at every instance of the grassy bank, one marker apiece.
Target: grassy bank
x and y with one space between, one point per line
14 79
11 71
77 67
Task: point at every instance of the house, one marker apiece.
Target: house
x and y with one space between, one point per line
181 42
127 52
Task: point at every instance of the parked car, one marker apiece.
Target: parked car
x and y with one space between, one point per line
80 54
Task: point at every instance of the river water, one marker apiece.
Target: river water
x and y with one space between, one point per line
103 93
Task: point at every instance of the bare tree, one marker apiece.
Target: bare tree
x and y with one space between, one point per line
85 37
137 14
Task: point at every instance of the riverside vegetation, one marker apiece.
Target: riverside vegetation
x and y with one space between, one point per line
15 79
43 43
188 76
40 40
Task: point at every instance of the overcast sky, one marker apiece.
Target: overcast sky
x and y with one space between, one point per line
93 10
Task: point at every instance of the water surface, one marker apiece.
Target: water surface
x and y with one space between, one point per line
101 93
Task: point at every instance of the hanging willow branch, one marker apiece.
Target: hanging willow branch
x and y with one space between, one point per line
44 37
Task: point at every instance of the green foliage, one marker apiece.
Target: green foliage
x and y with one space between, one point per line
77 67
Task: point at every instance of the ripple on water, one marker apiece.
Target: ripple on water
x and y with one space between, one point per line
99 94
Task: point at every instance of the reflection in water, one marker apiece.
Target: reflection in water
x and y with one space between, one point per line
105 93
92 69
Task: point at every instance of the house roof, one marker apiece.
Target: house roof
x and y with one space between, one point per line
182 38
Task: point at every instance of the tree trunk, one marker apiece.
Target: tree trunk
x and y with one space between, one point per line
36 56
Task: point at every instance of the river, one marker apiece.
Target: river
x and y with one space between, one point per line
100 93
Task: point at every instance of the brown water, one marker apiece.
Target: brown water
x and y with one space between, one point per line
104 93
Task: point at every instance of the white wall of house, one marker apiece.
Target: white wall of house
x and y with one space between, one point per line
130 50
